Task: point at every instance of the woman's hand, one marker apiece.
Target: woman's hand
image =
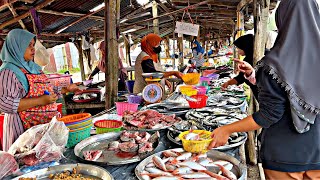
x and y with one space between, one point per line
48 99
220 137
178 74
244 67
225 85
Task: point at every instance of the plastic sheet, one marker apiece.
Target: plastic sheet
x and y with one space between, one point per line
7 164
41 143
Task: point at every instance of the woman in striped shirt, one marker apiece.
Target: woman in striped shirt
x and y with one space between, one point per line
23 86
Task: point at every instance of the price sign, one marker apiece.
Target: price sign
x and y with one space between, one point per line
187 28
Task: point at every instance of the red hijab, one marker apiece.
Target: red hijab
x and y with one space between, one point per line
148 42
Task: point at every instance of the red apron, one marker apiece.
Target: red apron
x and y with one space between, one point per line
38 83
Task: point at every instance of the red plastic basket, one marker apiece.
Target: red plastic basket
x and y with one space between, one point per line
200 103
104 126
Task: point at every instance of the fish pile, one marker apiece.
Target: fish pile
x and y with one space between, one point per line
147 119
215 116
141 142
176 164
85 96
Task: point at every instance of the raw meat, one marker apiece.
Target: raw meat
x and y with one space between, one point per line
92 155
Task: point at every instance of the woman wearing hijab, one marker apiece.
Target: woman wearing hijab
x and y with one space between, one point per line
123 75
198 53
148 61
245 48
25 96
289 102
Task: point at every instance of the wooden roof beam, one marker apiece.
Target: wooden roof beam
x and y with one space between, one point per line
15 14
72 14
243 3
164 8
78 20
16 19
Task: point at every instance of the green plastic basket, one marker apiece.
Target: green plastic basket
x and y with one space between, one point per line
76 136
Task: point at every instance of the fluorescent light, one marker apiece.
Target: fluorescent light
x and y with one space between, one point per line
61 30
142 2
97 7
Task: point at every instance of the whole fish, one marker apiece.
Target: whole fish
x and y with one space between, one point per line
214 175
184 156
170 167
209 178
153 170
199 156
227 173
178 150
192 165
150 165
206 162
169 159
144 175
154 175
159 163
182 170
195 175
170 154
168 178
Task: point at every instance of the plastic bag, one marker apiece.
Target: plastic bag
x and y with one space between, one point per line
7 164
41 56
41 143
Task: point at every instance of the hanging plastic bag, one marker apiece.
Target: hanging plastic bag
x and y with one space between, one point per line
41 56
41 143
8 164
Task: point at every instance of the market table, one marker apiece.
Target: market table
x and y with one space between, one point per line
127 171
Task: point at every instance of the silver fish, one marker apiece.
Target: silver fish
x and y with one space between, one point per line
182 170
168 178
227 173
195 175
144 175
192 165
159 163
184 156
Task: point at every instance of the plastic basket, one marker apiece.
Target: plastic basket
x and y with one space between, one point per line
205 79
196 146
130 85
77 135
75 118
81 124
189 92
200 103
104 126
191 78
60 80
202 90
124 106
136 99
181 88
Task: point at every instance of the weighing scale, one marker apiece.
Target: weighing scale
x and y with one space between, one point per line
153 92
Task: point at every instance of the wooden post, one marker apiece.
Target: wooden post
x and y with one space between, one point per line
15 14
261 21
79 47
180 46
111 50
167 45
155 14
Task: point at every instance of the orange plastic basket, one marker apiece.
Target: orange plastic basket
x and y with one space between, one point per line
75 118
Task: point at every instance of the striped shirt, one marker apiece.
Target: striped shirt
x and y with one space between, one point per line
11 91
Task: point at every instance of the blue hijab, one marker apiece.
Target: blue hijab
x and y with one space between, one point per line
199 49
12 54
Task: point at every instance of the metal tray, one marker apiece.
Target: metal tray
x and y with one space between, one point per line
88 171
101 142
240 170
151 130
171 136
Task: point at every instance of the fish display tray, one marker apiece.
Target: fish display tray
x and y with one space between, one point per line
240 170
172 135
88 171
168 108
101 142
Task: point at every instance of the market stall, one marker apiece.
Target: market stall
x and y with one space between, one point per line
159 124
